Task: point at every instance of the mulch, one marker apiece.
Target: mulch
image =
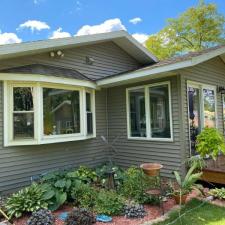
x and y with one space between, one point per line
153 212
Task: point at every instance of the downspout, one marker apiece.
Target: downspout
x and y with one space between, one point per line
106 116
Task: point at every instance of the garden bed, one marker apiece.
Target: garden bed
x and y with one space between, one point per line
153 212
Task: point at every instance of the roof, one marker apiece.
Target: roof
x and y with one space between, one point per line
48 70
121 38
164 66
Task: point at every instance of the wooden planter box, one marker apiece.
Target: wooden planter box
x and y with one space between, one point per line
215 171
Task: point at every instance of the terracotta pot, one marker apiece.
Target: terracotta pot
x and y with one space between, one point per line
151 169
181 200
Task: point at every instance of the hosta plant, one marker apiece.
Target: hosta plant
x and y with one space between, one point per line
41 217
80 217
84 174
218 193
28 199
57 188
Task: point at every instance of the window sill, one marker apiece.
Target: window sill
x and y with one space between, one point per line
48 140
151 139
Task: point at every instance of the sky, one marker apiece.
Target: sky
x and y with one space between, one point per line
30 20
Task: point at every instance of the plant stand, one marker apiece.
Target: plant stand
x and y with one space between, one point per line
153 170
110 180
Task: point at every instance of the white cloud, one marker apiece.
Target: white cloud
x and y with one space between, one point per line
34 25
140 37
37 2
60 34
107 26
9 38
135 20
78 5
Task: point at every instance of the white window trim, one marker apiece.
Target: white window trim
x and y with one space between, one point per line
147 112
39 137
201 86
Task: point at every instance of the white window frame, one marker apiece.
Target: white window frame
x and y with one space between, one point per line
201 86
39 137
147 112
92 94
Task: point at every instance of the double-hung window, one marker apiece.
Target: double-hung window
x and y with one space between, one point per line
149 112
39 113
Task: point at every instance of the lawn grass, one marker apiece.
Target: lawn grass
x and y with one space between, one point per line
207 214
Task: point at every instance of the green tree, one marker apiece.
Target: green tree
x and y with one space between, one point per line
197 28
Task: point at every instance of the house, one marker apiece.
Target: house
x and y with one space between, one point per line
60 99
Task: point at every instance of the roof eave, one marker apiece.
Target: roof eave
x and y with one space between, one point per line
151 72
121 38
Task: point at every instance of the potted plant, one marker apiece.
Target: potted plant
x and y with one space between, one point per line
184 186
210 143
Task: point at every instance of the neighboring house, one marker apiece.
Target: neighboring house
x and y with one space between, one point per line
60 99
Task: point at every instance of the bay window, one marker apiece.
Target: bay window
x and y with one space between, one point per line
149 112
37 113
23 112
89 113
61 110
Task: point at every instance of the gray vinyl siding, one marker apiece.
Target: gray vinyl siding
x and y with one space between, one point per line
18 164
134 152
211 72
109 59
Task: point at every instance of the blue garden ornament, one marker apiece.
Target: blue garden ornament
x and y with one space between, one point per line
103 218
63 216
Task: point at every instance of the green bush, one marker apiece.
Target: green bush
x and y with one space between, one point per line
134 185
210 142
84 174
109 203
84 195
29 199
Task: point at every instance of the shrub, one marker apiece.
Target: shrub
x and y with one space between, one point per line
84 195
29 199
41 217
80 217
134 185
109 203
218 193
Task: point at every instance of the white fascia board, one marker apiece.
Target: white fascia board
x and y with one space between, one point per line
46 79
22 49
55 43
140 74
141 47
146 72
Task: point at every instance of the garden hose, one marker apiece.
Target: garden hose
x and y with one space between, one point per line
186 213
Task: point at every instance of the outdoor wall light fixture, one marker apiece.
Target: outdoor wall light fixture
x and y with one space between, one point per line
221 90
58 53
89 60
